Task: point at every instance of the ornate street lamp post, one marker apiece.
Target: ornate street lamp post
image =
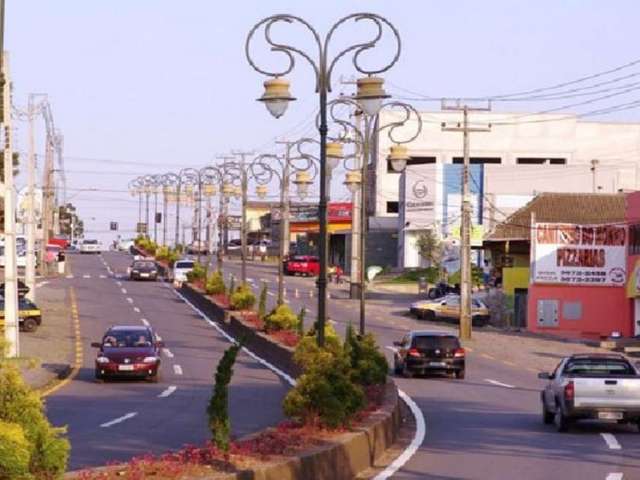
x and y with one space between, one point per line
356 181
283 169
277 97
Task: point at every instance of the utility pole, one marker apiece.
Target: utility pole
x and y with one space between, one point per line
155 214
222 214
465 214
594 164
244 185
285 208
47 196
11 326
165 201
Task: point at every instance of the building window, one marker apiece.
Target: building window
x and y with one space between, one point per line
634 239
479 160
572 310
413 161
541 161
392 207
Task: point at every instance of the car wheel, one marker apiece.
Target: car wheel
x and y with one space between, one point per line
29 325
429 315
99 378
397 368
460 374
153 378
560 420
547 416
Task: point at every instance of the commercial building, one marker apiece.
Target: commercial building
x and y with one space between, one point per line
522 155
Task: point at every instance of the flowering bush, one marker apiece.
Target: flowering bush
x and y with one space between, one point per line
281 318
243 298
215 284
199 272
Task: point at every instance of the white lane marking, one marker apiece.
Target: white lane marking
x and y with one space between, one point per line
393 349
123 290
271 293
499 384
168 391
86 276
103 276
119 419
177 369
417 440
249 279
290 380
69 276
168 353
129 299
612 443
38 285
136 309
145 322
119 283
158 337
615 476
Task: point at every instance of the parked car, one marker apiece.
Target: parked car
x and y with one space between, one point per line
128 351
51 252
429 352
143 270
234 244
603 386
448 308
22 289
306 265
180 270
90 246
30 316
197 247
63 243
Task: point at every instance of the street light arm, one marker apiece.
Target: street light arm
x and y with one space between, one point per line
360 48
408 110
287 50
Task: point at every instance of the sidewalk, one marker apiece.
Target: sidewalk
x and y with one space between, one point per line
50 349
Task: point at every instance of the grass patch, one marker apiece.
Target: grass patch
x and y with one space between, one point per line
412 276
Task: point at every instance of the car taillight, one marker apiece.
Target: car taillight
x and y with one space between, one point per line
459 353
414 352
569 392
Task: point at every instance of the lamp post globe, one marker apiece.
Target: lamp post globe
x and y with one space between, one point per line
276 96
352 181
261 191
334 154
371 94
398 157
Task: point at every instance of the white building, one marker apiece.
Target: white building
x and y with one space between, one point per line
522 154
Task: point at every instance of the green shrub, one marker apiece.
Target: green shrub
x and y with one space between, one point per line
368 365
232 284
329 331
431 274
199 272
281 318
262 304
324 392
243 298
301 315
476 277
218 409
15 451
19 405
215 284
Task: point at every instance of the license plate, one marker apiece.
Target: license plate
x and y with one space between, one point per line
437 364
610 415
125 368
144 275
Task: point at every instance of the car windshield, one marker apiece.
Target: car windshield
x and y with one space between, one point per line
90 242
433 341
184 265
143 265
127 338
598 367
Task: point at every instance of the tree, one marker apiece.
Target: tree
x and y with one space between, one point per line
429 247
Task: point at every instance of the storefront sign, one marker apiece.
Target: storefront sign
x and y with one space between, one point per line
579 254
418 195
337 212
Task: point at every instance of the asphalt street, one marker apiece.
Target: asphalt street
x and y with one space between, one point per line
118 419
488 426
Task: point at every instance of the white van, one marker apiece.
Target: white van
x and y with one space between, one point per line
180 270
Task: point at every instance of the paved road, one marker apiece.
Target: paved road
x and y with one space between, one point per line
487 426
138 417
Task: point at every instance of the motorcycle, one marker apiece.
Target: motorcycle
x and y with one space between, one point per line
442 289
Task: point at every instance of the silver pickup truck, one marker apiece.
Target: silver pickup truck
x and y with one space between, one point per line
591 386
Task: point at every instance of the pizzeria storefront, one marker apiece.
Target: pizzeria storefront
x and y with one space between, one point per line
579 283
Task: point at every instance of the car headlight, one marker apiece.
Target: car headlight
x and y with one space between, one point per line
102 359
135 271
150 360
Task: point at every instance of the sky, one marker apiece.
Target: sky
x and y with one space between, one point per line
150 86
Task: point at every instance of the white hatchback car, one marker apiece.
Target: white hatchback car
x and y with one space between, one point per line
90 246
180 270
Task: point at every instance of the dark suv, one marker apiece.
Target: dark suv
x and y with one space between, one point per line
425 352
143 270
128 351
